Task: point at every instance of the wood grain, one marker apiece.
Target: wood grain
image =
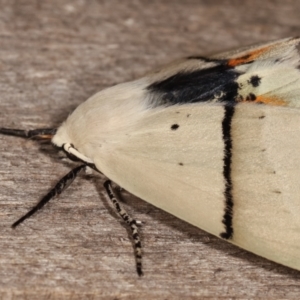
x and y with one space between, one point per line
54 54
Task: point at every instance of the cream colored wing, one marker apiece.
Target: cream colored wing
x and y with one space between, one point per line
240 182
266 189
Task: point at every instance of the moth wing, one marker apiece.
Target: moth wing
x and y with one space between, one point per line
266 73
266 190
171 160
174 159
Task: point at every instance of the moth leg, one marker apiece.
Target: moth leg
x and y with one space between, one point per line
131 222
42 133
61 185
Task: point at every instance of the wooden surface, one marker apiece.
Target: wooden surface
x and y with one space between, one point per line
53 55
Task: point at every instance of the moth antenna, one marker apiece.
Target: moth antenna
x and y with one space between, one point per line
61 185
41 133
130 221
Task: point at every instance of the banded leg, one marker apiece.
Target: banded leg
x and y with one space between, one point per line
42 133
131 222
61 185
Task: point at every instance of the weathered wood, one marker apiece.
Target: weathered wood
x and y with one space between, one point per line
54 54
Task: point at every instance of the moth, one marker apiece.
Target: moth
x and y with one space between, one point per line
212 140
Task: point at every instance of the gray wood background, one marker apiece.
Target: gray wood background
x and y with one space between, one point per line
54 54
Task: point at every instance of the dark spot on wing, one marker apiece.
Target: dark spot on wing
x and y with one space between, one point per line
180 164
174 126
188 115
277 192
261 117
251 97
254 81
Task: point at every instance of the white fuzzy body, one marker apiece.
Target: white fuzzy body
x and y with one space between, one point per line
173 155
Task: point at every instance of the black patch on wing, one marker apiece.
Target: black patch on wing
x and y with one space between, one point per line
216 82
